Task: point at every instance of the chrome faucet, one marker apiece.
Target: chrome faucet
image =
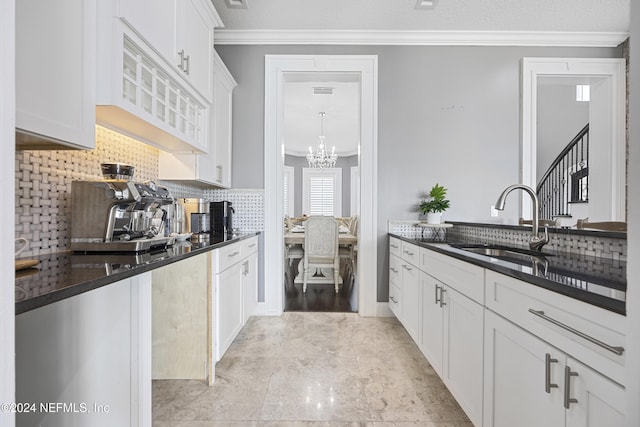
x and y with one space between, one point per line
537 242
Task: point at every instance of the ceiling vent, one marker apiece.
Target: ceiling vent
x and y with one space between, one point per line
426 4
237 4
323 91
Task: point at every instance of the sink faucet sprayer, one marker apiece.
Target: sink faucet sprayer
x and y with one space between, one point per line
537 242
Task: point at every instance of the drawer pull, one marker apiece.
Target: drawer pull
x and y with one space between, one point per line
394 246
393 299
615 350
406 268
233 254
568 400
408 253
253 245
393 269
442 291
547 373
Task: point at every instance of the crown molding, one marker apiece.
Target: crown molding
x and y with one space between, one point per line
419 38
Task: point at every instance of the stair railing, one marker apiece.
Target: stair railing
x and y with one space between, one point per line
567 179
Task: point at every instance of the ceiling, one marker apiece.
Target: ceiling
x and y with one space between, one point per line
387 22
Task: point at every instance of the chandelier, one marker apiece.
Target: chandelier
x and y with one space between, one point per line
321 159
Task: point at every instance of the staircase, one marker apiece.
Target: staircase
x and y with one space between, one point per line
567 179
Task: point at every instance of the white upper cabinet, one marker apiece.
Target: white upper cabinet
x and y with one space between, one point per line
222 121
181 31
213 168
55 74
159 32
155 76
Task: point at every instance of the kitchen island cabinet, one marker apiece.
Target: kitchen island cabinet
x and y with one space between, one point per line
55 74
86 360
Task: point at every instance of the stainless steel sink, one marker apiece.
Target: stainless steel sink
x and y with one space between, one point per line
506 253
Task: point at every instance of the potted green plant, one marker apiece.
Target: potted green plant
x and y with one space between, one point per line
435 205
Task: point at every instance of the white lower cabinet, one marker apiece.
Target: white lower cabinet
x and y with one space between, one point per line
235 296
228 285
511 353
452 331
86 360
432 320
462 351
517 375
531 383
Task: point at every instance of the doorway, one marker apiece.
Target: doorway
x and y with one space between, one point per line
321 142
277 67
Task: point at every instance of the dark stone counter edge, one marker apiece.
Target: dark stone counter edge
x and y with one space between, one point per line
590 298
68 292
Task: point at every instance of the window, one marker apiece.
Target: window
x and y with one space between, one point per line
289 187
322 191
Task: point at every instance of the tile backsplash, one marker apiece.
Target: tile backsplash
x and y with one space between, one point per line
43 188
590 244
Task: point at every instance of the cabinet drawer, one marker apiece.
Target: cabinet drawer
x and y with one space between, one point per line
395 300
395 246
564 322
228 255
410 253
468 279
395 270
249 246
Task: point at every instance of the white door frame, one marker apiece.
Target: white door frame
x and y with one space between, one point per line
613 125
276 66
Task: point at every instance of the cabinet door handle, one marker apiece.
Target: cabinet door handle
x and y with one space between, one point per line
245 268
438 296
568 400
442 291
616 350
181 55
186 67
547 373
393 299
219 168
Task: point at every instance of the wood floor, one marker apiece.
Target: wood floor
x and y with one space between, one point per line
320 297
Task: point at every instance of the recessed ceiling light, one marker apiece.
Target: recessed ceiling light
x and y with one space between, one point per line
237 4
426 4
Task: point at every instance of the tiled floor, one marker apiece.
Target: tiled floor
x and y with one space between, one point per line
314 369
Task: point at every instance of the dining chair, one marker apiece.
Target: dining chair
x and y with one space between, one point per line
321 251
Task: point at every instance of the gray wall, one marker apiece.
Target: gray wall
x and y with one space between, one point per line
298 163
445 114
560 118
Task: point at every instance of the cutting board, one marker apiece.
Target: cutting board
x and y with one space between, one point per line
22 264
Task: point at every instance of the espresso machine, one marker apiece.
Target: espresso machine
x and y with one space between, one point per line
117 215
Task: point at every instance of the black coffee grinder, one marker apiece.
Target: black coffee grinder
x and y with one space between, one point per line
221 217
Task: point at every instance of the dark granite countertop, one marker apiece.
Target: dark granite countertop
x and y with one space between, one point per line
62 275
597 281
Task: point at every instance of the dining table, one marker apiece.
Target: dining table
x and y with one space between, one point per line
295 236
